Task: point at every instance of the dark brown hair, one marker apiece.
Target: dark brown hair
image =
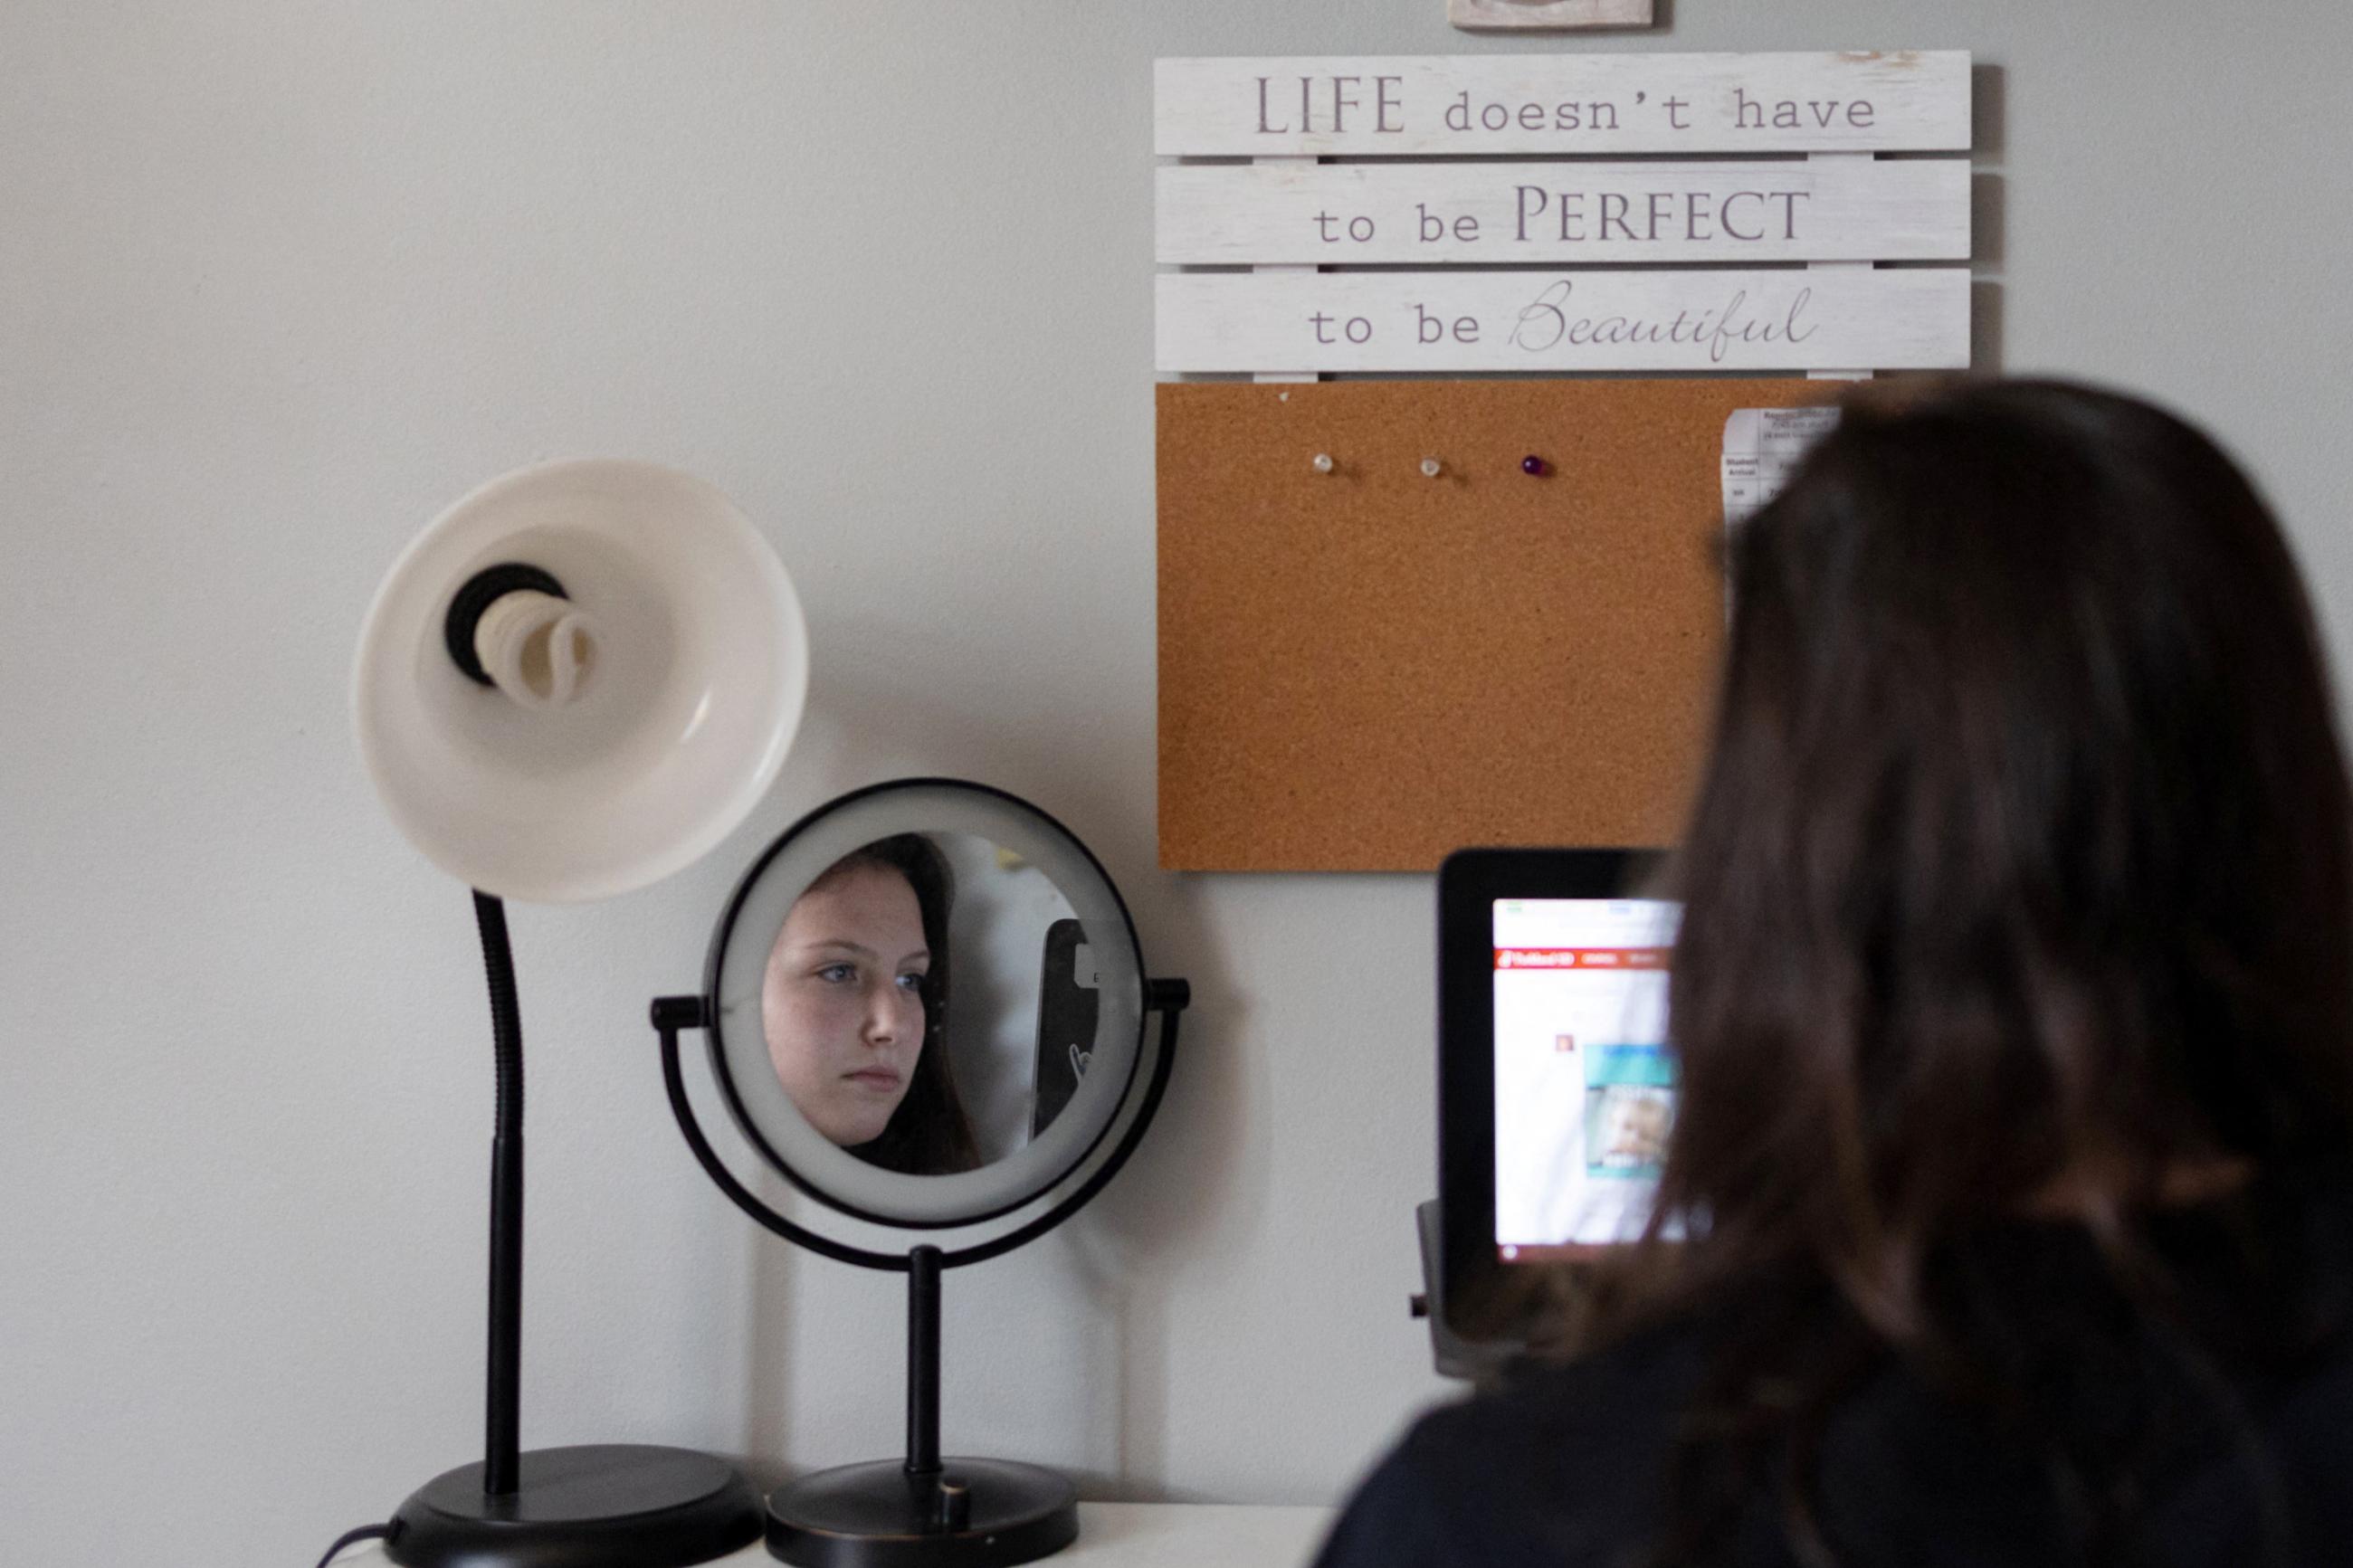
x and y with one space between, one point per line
929 1134
2017 884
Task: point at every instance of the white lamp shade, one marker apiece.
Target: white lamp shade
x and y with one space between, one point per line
700 670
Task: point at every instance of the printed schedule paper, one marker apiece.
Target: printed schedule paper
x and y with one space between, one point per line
1762 448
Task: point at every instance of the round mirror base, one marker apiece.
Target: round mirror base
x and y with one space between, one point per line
607 1505
878 1516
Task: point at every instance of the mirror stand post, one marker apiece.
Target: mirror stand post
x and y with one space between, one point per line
923 1512
922 1363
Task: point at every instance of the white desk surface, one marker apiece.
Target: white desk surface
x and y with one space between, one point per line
1120 1536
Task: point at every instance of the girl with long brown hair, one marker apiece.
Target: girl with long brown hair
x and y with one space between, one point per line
2013 1005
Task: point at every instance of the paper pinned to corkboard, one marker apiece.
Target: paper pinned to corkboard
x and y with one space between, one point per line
1762 450
1368 668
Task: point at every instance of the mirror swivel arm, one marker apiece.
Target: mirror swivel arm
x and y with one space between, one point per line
670 1013
1169 998
943 1497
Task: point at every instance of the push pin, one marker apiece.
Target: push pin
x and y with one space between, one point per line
1322 462
1431 467
1534 466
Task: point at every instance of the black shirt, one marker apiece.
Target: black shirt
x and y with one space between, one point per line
1567 1466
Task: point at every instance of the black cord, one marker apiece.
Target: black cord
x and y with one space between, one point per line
350 1537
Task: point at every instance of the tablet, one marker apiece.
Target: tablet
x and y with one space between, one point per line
1555 1089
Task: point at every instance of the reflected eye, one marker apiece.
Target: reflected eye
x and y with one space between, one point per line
838 973
911 983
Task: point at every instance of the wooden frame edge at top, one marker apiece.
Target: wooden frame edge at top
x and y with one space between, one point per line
1547 16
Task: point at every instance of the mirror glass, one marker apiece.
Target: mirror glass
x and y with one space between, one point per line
929 1002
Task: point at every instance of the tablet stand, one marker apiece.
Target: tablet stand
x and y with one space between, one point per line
1473 1361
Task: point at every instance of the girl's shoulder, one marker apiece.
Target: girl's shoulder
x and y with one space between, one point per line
1563 1463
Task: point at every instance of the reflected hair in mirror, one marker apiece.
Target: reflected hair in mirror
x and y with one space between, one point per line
862 961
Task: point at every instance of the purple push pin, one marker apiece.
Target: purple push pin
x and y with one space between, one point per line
1532 466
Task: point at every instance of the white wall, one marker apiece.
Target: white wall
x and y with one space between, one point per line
279 280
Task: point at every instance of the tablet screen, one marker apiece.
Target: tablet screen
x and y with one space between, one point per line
1585 1090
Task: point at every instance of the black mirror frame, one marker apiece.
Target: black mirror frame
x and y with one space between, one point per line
672 1015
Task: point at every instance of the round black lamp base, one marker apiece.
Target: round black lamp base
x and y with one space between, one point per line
607 1505
973 1513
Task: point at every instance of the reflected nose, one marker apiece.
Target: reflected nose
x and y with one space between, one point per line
890 1016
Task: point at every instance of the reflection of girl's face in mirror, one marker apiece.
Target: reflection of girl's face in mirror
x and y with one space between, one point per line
842 1001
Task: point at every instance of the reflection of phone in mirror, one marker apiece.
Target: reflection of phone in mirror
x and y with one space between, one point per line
1066 1020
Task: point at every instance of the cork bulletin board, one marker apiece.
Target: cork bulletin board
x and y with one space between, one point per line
1368 668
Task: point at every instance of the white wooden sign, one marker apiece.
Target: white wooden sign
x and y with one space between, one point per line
1429 213
1528 251
1546 104
1787 319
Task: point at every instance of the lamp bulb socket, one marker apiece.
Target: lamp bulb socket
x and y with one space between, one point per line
513 628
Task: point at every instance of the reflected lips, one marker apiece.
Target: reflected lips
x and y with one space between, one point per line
874 1078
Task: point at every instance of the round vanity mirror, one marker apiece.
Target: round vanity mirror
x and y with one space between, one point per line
927 1009
927 1003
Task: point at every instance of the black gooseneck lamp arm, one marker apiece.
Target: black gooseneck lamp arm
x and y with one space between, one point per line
502 1403
502 1426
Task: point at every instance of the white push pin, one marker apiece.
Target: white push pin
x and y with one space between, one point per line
1322 462
1431 467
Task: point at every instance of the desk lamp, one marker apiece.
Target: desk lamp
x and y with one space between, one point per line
576 682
